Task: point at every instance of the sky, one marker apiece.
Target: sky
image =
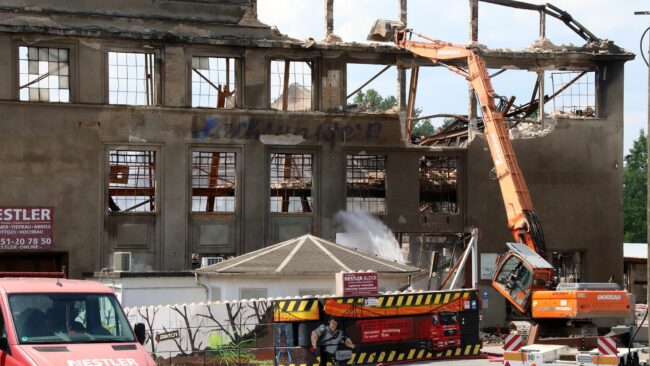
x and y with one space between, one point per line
499 27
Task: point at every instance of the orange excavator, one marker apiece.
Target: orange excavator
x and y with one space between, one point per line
522 276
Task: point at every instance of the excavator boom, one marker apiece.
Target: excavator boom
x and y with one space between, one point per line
522 219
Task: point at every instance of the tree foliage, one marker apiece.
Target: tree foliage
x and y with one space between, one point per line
373 102
635 181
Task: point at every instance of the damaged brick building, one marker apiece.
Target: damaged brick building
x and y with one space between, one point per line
181 129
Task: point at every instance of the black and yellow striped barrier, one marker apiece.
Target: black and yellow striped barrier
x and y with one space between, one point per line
401 304
413 354
294 310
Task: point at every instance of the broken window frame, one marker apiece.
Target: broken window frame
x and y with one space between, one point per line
349 180
312 63
154 203
456 186
236 178
237 84
154 61
311 200
559 270
50 45
565 89
367 85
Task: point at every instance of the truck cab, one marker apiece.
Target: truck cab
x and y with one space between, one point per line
50 321
519 273
445 330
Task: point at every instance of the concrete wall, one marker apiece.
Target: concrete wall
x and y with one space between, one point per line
153 291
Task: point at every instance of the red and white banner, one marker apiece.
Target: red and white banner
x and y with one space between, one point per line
26 227
513 343
607 346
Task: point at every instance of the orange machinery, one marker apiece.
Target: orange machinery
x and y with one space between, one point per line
522 275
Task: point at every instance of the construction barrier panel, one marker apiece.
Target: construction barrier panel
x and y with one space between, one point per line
389 328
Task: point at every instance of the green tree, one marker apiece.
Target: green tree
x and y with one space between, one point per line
373 102
635 181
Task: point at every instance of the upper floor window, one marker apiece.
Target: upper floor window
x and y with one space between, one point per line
213 181
291 85
438 185
213 82
291 183
131 78
366 183
132 181
44 74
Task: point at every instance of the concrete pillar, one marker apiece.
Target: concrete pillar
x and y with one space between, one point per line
401 73
473 37
329 17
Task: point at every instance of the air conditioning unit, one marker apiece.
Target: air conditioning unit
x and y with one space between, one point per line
122 262
208 261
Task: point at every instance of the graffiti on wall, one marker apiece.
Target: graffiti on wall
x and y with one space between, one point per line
384 328
250 129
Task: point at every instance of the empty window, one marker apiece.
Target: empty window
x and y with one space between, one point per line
291 183
438 185
213 82
131 78
291 85
215 293
132 181
44 74
213 181
366 183
568 266
574 94
252 293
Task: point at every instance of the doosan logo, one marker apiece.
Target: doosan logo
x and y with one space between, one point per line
609 297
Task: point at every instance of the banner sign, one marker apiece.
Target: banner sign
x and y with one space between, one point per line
386 330
26 227
356 283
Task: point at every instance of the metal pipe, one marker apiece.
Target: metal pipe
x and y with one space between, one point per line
470 248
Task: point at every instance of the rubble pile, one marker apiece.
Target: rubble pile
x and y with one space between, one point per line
527 130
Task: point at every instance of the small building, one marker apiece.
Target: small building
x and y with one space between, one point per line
635 262
305 265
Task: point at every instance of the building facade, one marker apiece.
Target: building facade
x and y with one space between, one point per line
177 130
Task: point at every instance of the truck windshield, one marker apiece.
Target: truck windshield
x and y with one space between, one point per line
68 318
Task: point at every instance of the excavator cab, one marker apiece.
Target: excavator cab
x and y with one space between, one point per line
519 273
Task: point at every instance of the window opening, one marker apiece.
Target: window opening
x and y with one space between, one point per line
291 183
291 85
567 266
366 183
438 185
131 78
132 182
213 181
252 293
575 93
213 82
44 74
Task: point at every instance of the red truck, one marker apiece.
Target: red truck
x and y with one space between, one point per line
440 331
445 331
51 321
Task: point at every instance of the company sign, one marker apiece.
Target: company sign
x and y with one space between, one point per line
385 330
356 283
26 227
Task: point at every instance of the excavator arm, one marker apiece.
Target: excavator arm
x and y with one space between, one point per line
522 219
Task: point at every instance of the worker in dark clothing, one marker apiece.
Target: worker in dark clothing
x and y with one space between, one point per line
326 339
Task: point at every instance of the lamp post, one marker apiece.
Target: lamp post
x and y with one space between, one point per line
648 180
